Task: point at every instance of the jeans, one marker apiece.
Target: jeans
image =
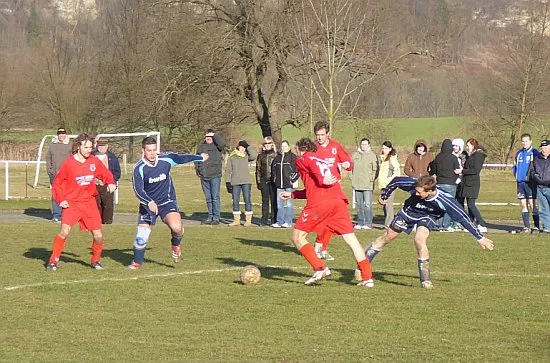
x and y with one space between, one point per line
363 204
211 189
543 196
269 199
445 222
246 196
56 209
285 208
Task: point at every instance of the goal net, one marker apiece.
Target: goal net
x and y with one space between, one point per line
126 146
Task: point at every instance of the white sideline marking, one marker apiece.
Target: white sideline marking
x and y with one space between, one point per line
184 273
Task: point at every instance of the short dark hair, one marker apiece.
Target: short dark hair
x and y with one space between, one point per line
319 125
525 135
306 144
365 139
149 140
426 182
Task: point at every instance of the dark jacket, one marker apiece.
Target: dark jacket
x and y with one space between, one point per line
263 166
113 164
283 170
541 171
211 168
471 183
416 165
444 164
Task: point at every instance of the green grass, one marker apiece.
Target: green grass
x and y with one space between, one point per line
487 306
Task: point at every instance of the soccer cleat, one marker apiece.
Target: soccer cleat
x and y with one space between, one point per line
366 283
318 276
97 266
51 267
326 256
134 265
176 253
427 285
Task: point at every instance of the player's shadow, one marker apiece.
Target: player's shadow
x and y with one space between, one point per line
277 245
43 255
268 272
125 257
202 216
502 227
38 212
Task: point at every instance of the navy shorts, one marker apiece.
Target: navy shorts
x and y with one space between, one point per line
405 223
527 190
150 218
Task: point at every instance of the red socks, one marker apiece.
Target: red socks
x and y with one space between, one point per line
366 271
97 248
309 253
58 244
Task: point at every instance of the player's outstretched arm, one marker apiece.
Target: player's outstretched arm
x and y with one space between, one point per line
486 244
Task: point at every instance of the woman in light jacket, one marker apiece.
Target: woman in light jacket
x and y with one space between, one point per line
389 169
237 178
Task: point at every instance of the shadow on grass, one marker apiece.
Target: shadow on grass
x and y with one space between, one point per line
38 212
125 257
202 216
276 245
502 227
43 255
268 272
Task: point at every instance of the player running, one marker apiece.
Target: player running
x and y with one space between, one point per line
326 210
74 190
157 197
336 157
423 209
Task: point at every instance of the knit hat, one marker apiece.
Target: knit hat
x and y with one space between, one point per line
243 143
459 142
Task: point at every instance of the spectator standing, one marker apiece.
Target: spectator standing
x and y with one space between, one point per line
264 181
389 169
541 174
285 176
471 181
444 167
364 174
105 199
210 173
418 161
237 178
526 186
59 150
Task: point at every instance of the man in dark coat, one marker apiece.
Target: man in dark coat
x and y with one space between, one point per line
210 173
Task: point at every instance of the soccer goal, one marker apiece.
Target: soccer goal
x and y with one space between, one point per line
122 144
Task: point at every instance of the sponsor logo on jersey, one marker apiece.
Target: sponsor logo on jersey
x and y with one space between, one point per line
84 180
159 178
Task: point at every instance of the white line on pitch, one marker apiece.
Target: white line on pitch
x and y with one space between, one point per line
196 272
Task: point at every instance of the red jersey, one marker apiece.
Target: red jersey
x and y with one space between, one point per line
75 181
312 170
334 154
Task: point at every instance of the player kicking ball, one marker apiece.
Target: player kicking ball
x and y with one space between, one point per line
157 197
74 190
423 209
326 210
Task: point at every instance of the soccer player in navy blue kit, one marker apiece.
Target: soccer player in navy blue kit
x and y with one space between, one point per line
423 209
157 197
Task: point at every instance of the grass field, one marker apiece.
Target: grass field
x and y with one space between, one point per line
487 306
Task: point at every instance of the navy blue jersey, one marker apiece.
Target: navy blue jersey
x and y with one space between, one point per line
152 182
434 207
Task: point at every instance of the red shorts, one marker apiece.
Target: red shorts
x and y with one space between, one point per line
332 215
84 212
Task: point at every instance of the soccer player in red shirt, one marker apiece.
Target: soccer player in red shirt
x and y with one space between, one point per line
336 157
326 210
74 190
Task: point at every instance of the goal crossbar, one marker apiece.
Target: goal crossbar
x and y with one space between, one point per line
124 134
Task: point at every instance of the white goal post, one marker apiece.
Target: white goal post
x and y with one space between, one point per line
100 136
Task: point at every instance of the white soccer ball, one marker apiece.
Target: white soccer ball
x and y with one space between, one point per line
250 275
